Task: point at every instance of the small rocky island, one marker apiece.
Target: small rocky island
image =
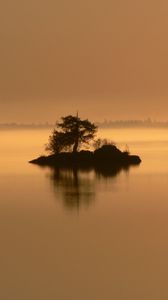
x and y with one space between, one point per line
106 155
64 144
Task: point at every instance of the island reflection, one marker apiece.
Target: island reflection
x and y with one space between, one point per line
76 187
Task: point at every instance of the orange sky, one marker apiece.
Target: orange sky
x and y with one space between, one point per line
107 59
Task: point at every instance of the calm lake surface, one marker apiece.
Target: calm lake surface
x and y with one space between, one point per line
80 235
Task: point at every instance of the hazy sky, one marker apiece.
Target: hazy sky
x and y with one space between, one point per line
107 59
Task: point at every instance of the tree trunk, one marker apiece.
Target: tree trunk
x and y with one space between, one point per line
75 147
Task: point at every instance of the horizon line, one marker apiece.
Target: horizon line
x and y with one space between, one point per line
106 123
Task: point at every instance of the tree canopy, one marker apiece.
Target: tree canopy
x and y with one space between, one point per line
71 133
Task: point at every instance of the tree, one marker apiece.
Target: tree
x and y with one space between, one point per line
71 133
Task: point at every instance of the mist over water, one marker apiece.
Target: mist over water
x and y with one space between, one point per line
81 234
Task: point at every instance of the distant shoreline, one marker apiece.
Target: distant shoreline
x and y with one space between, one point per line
106 124
26 126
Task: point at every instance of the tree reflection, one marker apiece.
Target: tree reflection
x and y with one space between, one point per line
77 187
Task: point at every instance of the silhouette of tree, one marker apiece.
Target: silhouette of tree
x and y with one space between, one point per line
71 133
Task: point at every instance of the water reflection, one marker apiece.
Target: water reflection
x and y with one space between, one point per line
77 187
109 172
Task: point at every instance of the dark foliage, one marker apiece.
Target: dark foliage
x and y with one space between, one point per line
71 133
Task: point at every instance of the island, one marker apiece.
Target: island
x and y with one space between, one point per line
64 147
107 155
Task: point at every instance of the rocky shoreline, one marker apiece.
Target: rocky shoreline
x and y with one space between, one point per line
107 156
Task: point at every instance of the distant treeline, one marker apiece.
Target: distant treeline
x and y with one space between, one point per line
147 123
25 126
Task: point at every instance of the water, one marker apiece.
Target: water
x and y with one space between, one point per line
82 235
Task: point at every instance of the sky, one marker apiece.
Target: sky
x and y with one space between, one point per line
105 59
